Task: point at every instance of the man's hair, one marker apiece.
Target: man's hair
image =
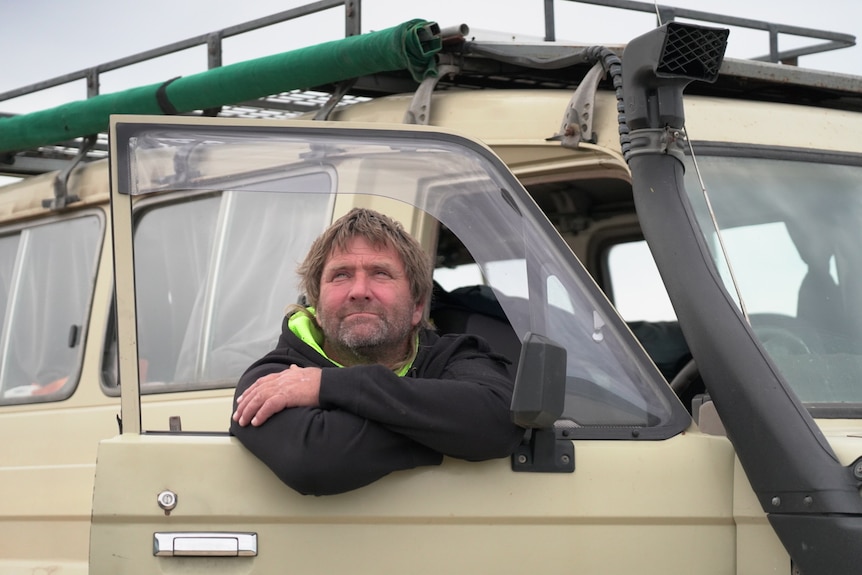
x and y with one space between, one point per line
379 231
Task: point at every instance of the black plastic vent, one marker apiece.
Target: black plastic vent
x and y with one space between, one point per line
692 52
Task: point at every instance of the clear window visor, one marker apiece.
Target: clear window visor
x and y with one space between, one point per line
229 213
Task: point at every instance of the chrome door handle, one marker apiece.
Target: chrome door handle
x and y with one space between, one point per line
204 544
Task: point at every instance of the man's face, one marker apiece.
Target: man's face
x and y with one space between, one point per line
365 304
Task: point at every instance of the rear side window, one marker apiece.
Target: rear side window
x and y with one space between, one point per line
47 274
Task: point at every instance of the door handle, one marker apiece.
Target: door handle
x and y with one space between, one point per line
205 544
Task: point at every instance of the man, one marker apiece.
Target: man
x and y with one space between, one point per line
358 386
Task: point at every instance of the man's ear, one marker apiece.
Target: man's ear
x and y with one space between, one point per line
418 312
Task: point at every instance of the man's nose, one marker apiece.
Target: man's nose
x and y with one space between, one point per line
359 288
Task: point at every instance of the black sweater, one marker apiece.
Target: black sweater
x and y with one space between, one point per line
454 401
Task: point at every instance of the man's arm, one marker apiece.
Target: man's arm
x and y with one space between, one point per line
325 451
371 422
462 412
313 450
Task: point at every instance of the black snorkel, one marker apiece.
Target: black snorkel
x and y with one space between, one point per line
811 499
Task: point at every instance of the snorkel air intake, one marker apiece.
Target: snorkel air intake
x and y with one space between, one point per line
811 499
659 65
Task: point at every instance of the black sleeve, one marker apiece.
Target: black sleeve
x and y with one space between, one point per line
319 451
326 451
462 413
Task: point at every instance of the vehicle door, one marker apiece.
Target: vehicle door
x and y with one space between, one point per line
644 492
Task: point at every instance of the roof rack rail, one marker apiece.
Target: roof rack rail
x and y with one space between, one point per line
833 40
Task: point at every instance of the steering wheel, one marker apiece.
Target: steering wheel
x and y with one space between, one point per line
685 377
775 332
778 340
781 334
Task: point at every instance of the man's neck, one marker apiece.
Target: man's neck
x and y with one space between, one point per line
391 358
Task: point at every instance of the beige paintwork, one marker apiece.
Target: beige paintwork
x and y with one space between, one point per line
681 505
435 519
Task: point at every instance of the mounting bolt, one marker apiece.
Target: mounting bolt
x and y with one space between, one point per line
776 501
857 470
522 458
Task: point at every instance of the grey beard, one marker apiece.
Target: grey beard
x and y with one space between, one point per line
376 347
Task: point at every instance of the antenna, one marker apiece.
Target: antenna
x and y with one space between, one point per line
717 229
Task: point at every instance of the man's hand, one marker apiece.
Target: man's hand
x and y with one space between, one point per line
293 387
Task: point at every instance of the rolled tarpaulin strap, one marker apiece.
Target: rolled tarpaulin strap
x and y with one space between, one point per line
162 98
409 46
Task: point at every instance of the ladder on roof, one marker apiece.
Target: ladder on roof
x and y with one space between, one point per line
290 104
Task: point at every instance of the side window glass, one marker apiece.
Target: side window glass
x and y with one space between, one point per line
600 391
634 284
558 297
173 242
46 282
510 274
636 289
8 255
213 275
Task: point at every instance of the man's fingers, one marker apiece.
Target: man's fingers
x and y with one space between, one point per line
248 405
256 388
261 400
271 393
267 409
244 412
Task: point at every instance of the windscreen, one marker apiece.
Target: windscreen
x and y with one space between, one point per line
791 232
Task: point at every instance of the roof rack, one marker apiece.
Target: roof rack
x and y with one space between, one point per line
477 73
833 40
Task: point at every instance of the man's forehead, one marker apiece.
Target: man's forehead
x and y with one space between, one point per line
360 246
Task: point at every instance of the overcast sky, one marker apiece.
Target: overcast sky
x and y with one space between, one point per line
41 39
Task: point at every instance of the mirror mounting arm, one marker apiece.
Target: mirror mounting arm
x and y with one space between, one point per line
543 453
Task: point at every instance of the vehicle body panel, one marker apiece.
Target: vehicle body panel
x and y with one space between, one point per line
453 517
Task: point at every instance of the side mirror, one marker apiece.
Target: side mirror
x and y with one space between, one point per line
540 383
537 402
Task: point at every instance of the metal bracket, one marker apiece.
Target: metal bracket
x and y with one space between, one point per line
420 106
544 454
662 141
338 94
577 125
62 197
